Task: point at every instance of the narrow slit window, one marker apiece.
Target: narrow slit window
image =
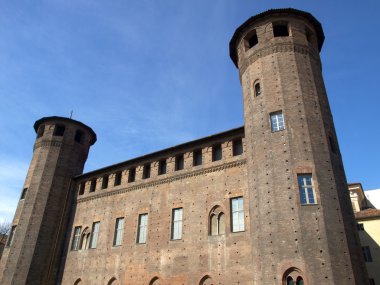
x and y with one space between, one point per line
23 193
332 145
309 35
142 228
81 188
237 147
179 162
146 171
217 152
41 131
132 175
162 167
197 157
105 181
93 185
118 176
257 89
280 30
79 136
59 130
251 40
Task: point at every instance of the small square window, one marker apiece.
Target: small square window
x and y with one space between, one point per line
280 30
162 167
179 162
360 227
118 176
250 40
59 130
237 147
197 157
277 121
146 171
217 152
132 175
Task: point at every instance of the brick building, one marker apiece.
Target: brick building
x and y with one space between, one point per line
260 204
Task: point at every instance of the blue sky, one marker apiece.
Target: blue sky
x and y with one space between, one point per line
147 75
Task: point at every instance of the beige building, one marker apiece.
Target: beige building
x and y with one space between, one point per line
368 225
259 204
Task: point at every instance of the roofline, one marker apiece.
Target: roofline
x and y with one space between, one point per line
65 120
191 144
241 29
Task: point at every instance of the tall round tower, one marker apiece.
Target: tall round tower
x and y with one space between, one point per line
301 218
35 244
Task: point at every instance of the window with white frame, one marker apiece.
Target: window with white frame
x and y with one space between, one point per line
119 230
177 223
277 121
142 229
94 234
306 189
76 238
237 211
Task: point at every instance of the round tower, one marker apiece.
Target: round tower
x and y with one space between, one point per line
35 243
302 223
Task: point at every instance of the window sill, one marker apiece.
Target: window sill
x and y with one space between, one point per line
314 204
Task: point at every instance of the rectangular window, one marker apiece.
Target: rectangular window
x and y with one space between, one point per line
132 175
142 229
93 185
76 238
237 210
306 189
94 234
59 131
237 147
23 193
179 162
81 188
105 181
197 157
367 254
119 230
177 223
146 171
280 30
162 167
371 281
117 178
11 236
277 121
217 152
360 227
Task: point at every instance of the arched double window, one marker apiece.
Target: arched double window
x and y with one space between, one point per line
293 276
217 223
85 239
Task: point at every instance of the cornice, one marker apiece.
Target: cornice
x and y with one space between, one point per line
165 180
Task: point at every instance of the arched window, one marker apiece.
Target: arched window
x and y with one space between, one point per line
85 238
257 89
293 276
78 281
206 280
112 281
155 281
217 222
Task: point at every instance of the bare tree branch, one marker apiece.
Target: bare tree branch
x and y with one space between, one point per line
5 228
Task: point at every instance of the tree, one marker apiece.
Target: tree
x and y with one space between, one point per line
5 228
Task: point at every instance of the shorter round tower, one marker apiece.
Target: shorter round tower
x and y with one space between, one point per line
35 243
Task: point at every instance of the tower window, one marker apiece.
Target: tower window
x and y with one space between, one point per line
146 171
79 136
94 234
360 227
93 185
197 157
132 175
177 224
367 254
277 121
280 30
308 34
105 181
250 40
237 147
117 178
217 152
59 130
162 167
81 188
119 230
76 238
306 189
23 193
179 162
332 144
41 131
142 228
11 235
257 89
237 217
